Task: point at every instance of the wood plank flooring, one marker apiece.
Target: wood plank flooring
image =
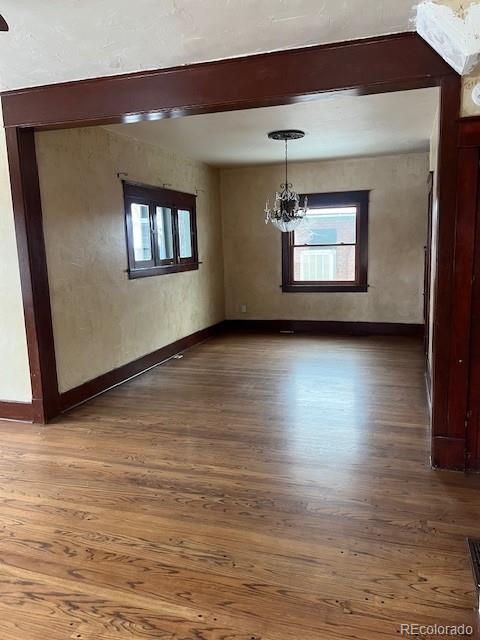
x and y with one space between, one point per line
264 487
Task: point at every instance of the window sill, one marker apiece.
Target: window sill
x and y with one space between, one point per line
134 274
325 288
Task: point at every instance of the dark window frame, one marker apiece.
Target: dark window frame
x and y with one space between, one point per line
153 197
359 199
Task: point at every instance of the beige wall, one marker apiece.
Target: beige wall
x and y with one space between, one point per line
101 319
397 234
14 368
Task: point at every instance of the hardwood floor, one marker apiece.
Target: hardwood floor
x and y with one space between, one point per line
262 487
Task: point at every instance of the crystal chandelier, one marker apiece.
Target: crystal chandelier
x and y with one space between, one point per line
287 213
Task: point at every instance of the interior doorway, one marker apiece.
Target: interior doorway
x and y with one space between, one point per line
270 79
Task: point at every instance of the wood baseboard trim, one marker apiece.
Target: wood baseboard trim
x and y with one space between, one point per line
17 411
327 327
448 453
96 386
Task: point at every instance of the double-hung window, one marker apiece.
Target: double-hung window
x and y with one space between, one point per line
329 250
161 230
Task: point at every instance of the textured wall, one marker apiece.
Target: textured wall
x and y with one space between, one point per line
14 368
398 217
101 319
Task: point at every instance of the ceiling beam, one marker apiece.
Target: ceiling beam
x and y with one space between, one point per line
372 65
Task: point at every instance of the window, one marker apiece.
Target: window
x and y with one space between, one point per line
329 250
161 230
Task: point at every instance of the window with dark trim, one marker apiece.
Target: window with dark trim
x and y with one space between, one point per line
329 250
161 229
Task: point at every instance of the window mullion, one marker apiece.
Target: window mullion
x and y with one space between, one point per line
291 251
176 239
153 232
358 230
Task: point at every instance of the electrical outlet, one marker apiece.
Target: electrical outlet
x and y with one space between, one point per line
243 308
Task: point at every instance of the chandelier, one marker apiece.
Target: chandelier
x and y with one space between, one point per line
287 213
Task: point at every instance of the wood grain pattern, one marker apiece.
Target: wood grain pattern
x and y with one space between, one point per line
261 488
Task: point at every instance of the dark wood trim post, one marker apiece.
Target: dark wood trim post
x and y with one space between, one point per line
33 272
469 223
450 351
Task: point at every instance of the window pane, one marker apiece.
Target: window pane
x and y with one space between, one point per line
328 226
142 245
184 234
164 233
328 264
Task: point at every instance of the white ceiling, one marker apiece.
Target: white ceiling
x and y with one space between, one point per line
57 40
336 126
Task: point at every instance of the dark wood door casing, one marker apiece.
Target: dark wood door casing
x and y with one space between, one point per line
473 409
464 416
373 65
33 272
469 210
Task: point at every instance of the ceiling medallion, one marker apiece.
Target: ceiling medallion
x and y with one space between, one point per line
286 213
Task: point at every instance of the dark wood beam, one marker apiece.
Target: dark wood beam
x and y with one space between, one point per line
372 65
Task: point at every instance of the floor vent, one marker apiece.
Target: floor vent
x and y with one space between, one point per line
474 546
